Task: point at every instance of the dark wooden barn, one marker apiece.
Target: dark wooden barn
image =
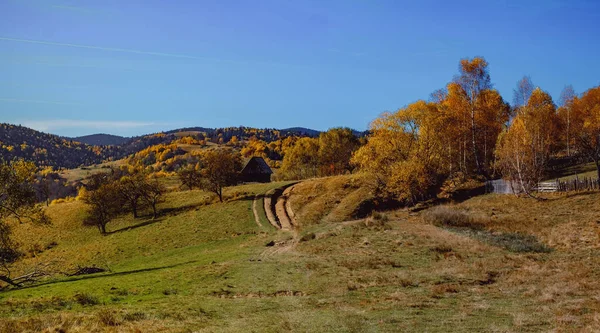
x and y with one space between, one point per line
256 170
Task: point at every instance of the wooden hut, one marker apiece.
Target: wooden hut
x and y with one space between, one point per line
256 170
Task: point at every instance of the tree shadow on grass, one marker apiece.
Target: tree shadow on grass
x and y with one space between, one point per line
176 210
573 194
245 197
103 275
135 226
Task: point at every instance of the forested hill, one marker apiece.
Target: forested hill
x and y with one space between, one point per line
60 152
51 150
44 149
101 139
245 133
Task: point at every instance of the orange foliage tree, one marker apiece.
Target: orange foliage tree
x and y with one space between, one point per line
585 116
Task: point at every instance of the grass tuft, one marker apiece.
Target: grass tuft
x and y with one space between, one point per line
444 216
108 318
86 299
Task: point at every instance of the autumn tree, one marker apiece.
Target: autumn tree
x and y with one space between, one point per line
567 96
255 147
515 158
234 141
526 146
403 154
17 200
152 193
301 160
190 176
131 188
336 147
522 92
219 168
474 79
585 115
475 114
105 203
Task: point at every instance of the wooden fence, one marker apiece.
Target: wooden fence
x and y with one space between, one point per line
577 184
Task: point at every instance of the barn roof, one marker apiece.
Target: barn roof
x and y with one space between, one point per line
256 165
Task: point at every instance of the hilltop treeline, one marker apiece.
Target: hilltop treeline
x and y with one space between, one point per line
225 134
468 132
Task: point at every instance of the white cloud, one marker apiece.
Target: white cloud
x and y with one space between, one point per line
56 124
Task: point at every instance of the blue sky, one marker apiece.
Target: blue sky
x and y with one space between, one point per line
133 67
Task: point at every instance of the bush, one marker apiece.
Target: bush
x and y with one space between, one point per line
377 220
108 318
307 237
134 316
86 299
444 216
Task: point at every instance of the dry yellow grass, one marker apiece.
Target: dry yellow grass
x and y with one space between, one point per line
329 199
566 283
395 274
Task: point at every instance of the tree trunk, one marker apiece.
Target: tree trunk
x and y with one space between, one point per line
134 208
103 229
220 194
154 210
9 281
474 142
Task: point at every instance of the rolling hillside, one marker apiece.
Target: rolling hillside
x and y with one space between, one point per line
208 267
59 152
45 149
52 150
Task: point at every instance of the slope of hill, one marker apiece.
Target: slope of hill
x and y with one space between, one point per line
45 149
51 150
101 139
205 267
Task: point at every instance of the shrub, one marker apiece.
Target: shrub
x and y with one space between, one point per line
134 316
441 249
86 299
307 237
108 318
444 216
376 219
170 291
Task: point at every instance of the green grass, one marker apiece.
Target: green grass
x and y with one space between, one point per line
203 266
580 170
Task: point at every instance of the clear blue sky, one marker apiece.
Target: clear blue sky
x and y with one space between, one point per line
132 67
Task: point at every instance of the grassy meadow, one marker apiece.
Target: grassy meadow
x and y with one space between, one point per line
205 266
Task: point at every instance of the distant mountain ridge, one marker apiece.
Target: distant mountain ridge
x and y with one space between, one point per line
62 152
101 139
302 130
19 142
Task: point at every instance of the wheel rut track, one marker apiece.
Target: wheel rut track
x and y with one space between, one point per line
278 208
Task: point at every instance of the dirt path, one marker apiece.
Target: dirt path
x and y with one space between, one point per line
269 211
255 210
278 209
288 205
